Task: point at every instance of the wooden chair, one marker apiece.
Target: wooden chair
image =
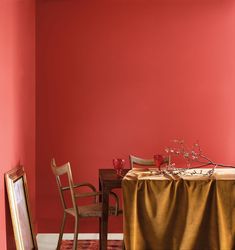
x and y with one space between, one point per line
134 160
93 209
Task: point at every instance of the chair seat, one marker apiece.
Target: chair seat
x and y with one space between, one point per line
92 210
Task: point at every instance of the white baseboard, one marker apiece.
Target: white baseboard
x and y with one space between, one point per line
81 236
49 241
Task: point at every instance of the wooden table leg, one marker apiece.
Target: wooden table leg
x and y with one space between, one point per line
104 219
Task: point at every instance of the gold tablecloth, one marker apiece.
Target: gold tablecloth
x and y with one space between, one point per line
190 213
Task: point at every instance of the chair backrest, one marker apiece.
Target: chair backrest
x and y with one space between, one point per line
134 160
64 170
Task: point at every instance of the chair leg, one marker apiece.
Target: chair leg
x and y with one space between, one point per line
99 233
61 231
75 240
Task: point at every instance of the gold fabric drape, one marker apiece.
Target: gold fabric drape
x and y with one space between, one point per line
184 214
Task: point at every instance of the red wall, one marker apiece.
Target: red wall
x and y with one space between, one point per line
17 101
124 77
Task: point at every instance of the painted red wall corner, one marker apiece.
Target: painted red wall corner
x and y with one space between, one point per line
17 101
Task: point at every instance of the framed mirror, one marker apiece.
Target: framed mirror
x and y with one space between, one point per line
17 191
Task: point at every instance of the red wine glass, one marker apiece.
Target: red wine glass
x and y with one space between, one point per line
118 165
159 160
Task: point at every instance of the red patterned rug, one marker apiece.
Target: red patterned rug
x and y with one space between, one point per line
91 245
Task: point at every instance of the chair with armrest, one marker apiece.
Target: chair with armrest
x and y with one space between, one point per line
134 160
93 209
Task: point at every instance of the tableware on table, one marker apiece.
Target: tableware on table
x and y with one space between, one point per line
118 165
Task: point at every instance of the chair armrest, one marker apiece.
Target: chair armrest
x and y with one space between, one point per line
85 184
94 193
116 198
90 194
97 194
82 184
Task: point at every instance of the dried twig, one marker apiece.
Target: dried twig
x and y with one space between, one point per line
193 155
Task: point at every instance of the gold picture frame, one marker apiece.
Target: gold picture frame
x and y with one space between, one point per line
18 198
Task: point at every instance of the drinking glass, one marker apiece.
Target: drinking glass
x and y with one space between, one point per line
118 165
159 160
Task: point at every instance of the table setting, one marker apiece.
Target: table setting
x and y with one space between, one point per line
180 206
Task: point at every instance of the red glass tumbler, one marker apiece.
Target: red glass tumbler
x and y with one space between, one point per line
118 165
159 160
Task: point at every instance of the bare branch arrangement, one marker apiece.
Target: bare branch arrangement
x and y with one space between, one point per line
194 156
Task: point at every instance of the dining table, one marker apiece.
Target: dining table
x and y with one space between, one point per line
192 209
108 180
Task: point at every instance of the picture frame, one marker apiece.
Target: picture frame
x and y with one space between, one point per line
17 191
